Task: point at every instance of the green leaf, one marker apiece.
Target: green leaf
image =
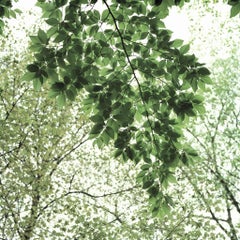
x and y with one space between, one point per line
184 49
51 31
110 132
97 128
37 84
52 21
145 166
204 71
130 153
97 118
177 43
143 35
53 94
148 183
200 109
32 68
61 100
105 138
71 95
154 190
194 84
235 10
42 36
198 99
207 79
58 86
117 153
60 3
28 76
60 37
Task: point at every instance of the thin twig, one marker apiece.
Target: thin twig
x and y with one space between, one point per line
132 69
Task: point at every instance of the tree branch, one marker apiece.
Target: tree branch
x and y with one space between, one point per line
87 194
132 68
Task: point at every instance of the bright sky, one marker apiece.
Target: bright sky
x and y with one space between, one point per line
24 4
177 22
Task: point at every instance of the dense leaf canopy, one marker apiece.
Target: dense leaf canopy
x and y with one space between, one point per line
117 62
138 85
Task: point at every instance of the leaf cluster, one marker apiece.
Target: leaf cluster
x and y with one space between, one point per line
139 84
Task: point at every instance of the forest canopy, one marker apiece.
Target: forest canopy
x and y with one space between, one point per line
110 73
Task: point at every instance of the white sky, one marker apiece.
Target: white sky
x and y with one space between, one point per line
24 4
177 22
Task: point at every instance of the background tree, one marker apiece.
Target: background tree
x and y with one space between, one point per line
53 183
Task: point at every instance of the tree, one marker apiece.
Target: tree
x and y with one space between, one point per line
45 174
37 189
218 142
51 186
139 86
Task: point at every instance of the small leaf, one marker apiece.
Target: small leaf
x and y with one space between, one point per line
145 166
97 128
37 84
235 10
184 49
148 184
207 79
28 76
60 3
52 21
42 36
58 86
109 132
60 37
97 118
70 95
177 43
198 99
204 71
32 68
61 100
117 153
53 94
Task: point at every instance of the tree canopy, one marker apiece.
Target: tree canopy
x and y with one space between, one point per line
116 64
139 86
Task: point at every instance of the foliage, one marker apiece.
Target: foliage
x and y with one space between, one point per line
6 11
53 184
72 202
215 178
138 85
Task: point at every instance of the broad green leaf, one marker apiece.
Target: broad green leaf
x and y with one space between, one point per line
52 21
37 84
42 36
235 9
184 49
58 86
32 68
177 43
204 71
97 128
61 100
110 132
28 76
